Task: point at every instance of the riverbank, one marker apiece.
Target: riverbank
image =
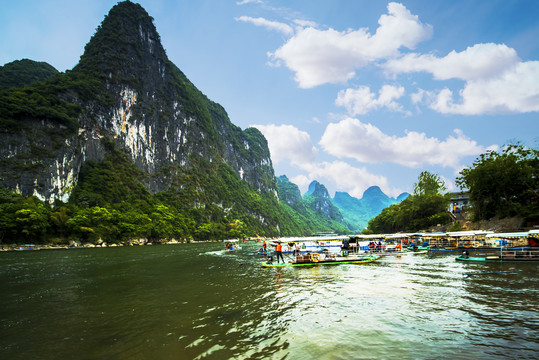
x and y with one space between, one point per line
510 224
103 244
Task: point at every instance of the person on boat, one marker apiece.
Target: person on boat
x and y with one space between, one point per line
345 246
264 246
279 251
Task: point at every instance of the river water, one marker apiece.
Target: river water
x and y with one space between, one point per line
194 301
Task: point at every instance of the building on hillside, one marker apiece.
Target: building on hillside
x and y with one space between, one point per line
459 202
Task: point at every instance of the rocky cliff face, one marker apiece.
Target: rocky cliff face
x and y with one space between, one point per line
144 104
289 193
318 199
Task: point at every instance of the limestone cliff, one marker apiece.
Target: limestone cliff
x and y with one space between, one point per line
124 92
317 197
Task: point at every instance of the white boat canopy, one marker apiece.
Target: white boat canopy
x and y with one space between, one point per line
514 235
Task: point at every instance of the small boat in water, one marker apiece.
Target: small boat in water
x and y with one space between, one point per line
316 259
505 255
26 247
311 244
232 245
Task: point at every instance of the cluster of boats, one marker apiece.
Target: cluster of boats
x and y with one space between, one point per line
484 246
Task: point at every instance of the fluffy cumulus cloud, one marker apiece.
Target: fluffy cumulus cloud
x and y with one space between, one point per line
354 180
288 143
330 56
351 138
514 91
477 62
361 100
496 81
344 177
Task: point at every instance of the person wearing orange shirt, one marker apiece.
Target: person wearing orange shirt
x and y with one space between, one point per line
278 251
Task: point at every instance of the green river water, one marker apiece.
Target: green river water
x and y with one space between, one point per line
194 301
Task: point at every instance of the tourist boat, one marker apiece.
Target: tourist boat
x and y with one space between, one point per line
523 254
477 241
316 259
26 247
310 244
232 245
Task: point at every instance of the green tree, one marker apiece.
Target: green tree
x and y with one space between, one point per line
32 221
59 220
504 184
426 208
429 184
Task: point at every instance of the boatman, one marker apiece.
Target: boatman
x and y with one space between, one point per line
279 251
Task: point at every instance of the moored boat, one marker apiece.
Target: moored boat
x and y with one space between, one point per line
505 255
311 244
316 259
26 247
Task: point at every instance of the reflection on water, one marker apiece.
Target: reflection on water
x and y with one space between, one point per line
197 301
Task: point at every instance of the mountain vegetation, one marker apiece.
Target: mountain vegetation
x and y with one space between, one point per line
124 146
25 72
357 212
314 208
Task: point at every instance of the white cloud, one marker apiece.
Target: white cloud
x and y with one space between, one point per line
344 177
477 62
287 142
351 138
361 100
243 2
496 81
330 56
268 24
348 178
418 96
514 91
449 184
302 182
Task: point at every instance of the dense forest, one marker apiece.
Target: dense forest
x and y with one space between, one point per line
110 204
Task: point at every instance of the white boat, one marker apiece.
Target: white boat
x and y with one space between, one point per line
27 247
232 245
310 244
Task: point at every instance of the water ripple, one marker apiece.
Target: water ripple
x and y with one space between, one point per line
195 301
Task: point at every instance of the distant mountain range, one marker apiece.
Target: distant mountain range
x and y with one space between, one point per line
357 212
343 208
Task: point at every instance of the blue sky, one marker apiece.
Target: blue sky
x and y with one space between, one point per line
351 93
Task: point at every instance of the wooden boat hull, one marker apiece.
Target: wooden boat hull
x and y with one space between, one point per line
364 260
496 259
